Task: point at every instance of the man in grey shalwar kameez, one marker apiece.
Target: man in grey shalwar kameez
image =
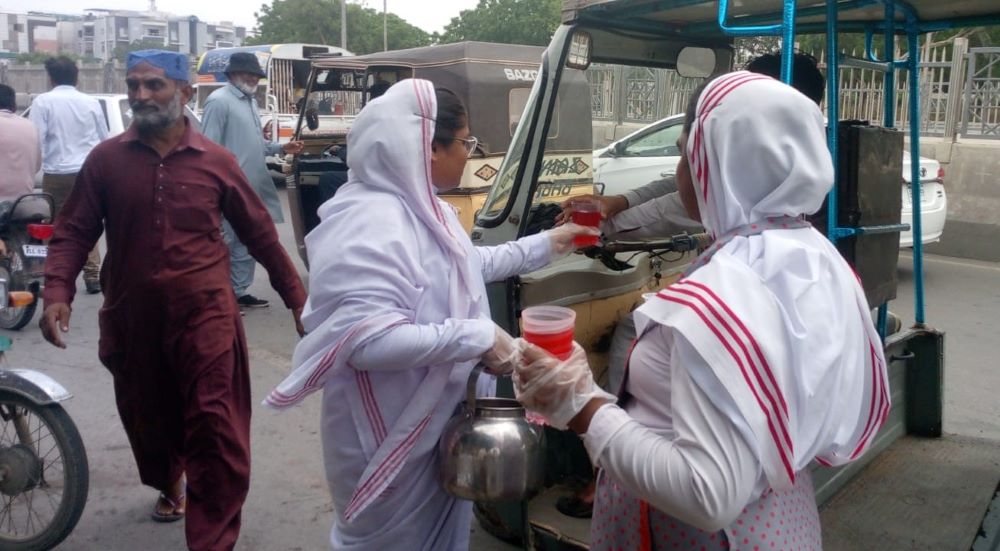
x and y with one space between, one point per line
232 119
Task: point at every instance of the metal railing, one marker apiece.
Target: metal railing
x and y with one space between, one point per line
981 113
637 94
959 92
862 91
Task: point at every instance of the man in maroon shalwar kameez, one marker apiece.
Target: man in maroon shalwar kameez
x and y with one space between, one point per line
170 328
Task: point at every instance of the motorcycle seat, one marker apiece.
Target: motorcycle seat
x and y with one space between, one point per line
28 210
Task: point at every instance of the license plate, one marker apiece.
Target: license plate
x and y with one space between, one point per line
909 194
36 251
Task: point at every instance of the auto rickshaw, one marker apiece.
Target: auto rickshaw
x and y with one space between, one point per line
287 68
697 37
493 80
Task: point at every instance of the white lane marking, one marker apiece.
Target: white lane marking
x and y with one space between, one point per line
992 266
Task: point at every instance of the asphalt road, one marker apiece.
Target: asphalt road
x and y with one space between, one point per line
289 508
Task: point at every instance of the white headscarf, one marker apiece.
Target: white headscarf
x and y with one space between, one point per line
777 315
366 271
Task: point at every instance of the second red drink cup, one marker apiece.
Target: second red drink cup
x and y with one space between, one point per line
586 212
551 328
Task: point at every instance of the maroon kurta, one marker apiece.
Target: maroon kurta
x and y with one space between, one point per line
170 327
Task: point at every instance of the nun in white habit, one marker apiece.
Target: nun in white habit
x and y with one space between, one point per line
397 317
758 361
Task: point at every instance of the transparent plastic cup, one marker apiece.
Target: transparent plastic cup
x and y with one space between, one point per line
586 212
551 328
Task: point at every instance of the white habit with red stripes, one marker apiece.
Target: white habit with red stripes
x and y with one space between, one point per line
397 317
773 332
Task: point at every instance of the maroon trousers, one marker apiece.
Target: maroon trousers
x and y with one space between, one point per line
183 392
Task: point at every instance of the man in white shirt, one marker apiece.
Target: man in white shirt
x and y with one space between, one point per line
70 123
20 157
655 209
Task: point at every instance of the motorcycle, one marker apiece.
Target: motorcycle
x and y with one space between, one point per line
25 226
44 476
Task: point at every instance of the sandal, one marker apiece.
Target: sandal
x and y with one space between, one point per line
176 508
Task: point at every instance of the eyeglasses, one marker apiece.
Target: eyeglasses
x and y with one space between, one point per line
470 144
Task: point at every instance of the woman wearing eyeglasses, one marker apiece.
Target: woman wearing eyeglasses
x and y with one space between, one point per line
397 317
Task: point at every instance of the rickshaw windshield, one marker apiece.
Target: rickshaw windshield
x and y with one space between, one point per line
502 190
334 97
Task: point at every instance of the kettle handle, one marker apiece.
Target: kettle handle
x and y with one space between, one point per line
470 387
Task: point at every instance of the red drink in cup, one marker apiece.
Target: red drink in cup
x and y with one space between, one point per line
551 328
586 212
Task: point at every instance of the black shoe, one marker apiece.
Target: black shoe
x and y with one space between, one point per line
250 301
93 287
573 506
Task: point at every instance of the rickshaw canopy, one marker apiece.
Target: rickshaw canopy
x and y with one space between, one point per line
484 75
212 64
699 17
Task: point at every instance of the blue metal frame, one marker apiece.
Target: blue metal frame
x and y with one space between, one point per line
832 113
889 27
785 29
889 110
918 246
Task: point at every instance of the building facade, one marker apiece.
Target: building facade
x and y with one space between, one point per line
28 33
100 33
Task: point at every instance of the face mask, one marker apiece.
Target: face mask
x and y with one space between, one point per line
245 88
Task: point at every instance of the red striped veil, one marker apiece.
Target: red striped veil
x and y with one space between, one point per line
777 316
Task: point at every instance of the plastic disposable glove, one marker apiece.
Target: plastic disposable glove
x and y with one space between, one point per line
557 389
561 238
501 359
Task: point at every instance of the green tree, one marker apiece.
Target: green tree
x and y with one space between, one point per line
38 58
34 58
506 21
318 22
121 51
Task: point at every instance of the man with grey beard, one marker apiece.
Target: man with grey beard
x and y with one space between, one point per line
171 333
232 120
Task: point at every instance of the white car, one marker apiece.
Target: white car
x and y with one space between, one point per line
651 153
933 201
118 115
647 154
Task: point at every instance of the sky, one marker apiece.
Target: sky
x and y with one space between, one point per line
429 15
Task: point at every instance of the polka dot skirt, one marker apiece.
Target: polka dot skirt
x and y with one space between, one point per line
777 521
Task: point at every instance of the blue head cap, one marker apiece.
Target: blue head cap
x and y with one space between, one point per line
174 65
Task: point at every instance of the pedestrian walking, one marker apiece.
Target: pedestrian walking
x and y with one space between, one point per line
20 152
70 123
171 334
232 120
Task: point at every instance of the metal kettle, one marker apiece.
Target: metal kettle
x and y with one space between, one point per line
489 451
